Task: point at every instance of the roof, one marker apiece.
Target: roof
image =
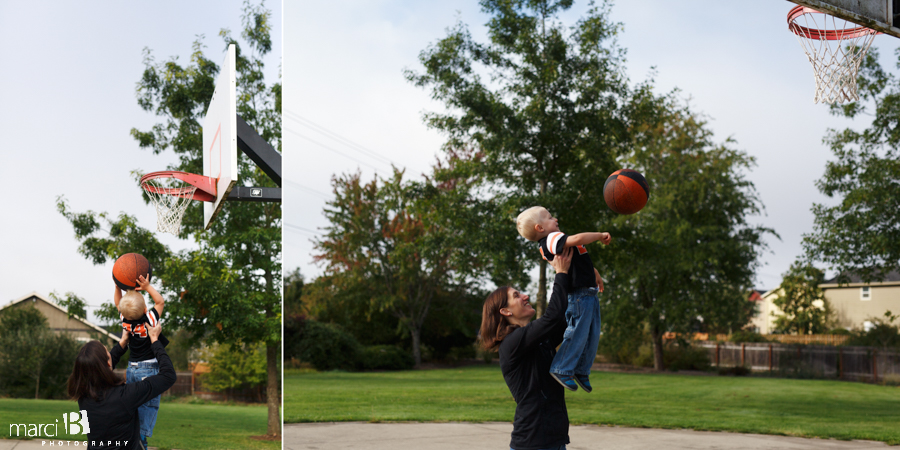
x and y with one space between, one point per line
853 277
64 310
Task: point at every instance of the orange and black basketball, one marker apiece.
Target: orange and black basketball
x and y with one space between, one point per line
626 191
127 269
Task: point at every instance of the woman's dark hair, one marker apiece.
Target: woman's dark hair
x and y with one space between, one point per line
92 375
494 326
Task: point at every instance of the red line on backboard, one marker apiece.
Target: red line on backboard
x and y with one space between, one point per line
216 138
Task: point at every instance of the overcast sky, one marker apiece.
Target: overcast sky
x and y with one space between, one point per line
68 103
736 61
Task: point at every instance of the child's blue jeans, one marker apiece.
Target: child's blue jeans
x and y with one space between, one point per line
579 347
137 371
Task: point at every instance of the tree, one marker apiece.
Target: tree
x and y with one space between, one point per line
805 309
539 131
293 292
229 289
861 234
34 361
688 258
396 243
234 367
75 306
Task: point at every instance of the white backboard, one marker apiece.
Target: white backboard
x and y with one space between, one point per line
220 138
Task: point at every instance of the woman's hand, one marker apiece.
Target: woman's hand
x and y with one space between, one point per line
154 332
123 341
562 261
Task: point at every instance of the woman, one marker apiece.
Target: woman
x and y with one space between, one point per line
526 351
111 404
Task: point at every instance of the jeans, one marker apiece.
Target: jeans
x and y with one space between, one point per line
137 371
579 347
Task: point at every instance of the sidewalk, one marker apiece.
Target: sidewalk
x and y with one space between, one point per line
495 436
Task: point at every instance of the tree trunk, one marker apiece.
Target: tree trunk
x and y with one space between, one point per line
417 353
657 334
273 399
37 384
541 303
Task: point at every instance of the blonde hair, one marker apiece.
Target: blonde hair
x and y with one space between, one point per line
132 305
527 220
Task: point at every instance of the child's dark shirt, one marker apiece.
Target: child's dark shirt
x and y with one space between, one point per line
581 272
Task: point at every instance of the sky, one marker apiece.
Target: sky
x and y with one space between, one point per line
68 104
348 107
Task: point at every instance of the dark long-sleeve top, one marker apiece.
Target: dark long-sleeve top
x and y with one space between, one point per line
114 419
541 419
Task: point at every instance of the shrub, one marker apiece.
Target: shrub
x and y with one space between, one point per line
327 347
747 336
678 357
738 371
385 357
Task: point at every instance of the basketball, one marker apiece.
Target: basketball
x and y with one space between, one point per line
626 191
127 269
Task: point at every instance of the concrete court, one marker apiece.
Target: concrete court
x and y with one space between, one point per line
495 436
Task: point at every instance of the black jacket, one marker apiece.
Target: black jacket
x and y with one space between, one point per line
114 419
541 419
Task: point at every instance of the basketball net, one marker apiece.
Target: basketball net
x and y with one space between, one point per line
170 197
835 52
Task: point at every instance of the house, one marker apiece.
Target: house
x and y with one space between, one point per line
855 302
763 322
58 319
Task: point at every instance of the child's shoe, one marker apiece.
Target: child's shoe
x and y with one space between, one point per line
568 381
583 382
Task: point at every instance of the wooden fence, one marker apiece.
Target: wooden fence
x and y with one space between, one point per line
184 383
845 363
806 339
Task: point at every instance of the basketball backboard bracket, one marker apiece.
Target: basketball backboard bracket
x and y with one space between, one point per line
878 15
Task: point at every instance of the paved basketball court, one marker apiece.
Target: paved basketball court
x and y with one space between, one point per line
495 436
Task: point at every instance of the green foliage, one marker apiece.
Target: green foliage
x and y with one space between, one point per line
327 347
861 233
539 130
884 334
293 292
109 314
181 348
228 290
690 252
35 362
75 306
235 367
747 336
385 357
805 310
686 357
393 246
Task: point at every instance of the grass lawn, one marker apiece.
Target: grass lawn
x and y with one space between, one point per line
179 425
807 408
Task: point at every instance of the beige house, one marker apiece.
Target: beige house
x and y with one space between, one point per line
763 322
58 319
853 304
857 302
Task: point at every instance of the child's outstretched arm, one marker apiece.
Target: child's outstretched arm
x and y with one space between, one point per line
588 238
117 296
158 302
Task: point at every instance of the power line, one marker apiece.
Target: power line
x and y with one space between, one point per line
308 189
329 148
328 133
301 229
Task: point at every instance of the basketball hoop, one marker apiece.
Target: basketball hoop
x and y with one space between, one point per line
171 192
834 64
